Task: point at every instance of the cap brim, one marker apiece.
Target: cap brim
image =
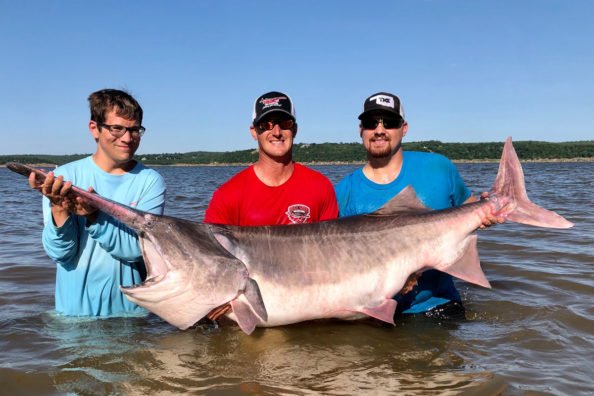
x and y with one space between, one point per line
274 111
379 111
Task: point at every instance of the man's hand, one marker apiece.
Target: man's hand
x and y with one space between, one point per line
63 203
490 219
411 282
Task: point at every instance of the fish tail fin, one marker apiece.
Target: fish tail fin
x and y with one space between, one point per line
509 187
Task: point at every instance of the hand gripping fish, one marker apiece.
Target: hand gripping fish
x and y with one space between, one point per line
347 268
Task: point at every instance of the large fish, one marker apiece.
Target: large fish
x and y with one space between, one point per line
347 268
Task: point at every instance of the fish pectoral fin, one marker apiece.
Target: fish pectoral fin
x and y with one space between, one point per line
246 319
468 266
384 311
249 307
254 298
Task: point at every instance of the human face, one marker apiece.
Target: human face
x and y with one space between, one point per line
379 141
276 142
113 152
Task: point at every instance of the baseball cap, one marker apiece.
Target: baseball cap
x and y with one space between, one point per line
273 102
383 101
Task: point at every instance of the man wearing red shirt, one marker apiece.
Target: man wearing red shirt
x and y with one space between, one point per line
275 189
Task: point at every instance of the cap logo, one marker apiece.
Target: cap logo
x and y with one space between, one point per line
271 102
383 100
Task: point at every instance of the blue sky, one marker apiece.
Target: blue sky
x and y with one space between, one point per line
466 71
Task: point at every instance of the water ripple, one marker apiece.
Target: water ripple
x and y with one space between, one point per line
530 334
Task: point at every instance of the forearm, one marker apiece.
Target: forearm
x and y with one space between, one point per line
59 215
470 199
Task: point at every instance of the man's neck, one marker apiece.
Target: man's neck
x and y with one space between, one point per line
112 167
274 172
383 170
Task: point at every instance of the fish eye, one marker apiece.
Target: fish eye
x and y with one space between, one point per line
149 221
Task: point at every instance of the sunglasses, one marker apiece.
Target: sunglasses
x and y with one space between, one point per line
269 124
388 123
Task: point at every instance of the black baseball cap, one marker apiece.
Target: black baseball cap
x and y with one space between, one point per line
273 102
382 102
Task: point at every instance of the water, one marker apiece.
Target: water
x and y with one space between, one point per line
533 333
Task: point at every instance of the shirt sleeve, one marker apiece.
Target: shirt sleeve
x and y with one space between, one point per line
60 243
460 193
115 237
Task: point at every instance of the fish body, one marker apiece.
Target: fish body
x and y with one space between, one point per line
352 267
347 268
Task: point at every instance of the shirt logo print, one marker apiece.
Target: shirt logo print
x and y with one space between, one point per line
298 213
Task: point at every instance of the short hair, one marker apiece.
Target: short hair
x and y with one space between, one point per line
106 100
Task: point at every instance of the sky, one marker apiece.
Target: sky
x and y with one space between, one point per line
465 70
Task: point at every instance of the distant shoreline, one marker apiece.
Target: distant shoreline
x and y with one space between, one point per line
479 161
347 154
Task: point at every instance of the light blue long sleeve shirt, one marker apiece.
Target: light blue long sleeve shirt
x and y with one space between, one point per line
93 262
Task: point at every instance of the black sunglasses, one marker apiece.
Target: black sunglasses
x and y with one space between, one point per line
388 123
269 124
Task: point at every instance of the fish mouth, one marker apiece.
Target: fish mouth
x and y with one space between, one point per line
156 267
148 282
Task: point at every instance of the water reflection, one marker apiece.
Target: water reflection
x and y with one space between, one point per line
313 358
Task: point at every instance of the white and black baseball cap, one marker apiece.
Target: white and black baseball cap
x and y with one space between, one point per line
382 102
273 102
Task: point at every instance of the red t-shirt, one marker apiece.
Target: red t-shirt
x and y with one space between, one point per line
307 197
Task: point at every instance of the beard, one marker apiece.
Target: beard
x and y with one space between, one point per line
380 152
385 151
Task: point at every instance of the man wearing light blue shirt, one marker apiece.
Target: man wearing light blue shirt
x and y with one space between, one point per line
96 254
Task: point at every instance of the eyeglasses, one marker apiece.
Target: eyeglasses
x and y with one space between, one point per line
118 131
269 124
389 123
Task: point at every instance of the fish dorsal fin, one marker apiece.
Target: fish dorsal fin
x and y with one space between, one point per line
405 202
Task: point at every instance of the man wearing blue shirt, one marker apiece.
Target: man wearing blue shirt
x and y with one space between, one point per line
96 254
388 171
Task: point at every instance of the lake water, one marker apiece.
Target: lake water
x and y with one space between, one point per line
531 334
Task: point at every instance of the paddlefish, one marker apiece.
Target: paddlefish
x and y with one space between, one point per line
348 268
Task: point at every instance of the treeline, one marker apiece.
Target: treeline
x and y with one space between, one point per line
346 152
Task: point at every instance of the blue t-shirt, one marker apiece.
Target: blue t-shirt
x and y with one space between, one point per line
438 185
93 262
